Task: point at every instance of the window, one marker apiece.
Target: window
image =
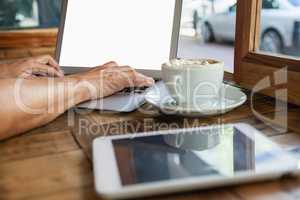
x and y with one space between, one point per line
28 27
258 58
280 28
21 14
208 30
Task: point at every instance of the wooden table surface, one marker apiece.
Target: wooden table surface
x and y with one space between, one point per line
53 162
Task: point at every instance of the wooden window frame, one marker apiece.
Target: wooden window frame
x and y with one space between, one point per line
251 66
16 44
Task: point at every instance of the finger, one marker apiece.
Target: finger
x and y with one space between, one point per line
27 75
142 80
106 65
139 80
48 60
135 79
111 64
122 69
45 70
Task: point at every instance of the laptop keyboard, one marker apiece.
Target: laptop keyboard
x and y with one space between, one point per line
135 90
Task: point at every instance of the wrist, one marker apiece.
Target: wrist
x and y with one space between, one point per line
79 90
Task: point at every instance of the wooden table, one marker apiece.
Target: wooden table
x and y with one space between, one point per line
53 162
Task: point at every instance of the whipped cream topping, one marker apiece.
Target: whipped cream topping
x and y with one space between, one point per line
185 62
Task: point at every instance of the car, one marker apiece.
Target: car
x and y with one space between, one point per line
194 11
280 27
202 8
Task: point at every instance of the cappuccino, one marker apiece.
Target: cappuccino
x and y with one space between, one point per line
190 62
193 82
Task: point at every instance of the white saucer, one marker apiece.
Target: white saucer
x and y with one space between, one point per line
232 98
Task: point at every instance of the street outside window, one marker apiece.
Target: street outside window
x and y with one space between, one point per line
22 14
208 29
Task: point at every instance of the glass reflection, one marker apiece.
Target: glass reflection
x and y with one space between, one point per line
280 27
221 152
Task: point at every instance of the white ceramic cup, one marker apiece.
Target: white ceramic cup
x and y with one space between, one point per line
192 82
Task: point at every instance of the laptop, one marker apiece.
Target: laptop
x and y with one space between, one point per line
140 33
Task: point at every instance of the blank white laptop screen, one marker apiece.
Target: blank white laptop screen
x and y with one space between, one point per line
132 32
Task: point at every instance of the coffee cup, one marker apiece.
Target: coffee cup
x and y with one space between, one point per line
193 82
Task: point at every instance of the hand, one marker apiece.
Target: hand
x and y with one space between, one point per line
110 78
32 67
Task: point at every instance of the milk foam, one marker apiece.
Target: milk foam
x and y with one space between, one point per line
185 62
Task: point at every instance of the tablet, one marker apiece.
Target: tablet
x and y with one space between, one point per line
186 159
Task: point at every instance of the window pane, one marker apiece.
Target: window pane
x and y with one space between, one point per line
208 30
19 14
280 27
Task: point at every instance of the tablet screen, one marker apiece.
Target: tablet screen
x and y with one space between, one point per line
133 32
214 152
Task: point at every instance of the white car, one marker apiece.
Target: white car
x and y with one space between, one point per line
280 26
199 9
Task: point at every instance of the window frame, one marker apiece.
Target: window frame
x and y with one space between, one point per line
16 44
251 66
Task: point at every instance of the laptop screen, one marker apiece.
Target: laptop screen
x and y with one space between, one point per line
132 32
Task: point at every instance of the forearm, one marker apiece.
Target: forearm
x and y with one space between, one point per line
27 104
4 72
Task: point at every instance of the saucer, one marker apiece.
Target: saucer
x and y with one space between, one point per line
232 98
